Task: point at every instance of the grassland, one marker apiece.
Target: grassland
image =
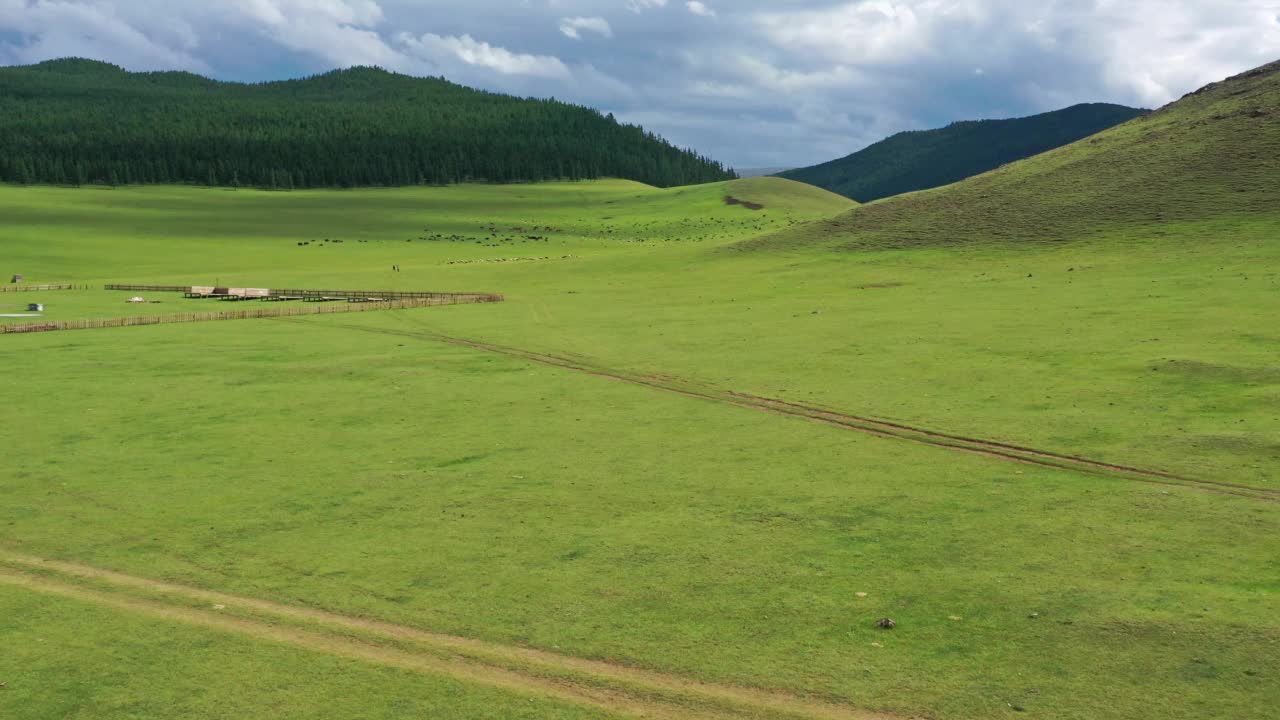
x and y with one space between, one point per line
73 659
393 476
311 237
403 467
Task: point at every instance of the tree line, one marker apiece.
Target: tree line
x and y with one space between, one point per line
78 122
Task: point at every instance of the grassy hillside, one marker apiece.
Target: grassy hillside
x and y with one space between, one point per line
83 122
273 237
919 160
1214 154
425 468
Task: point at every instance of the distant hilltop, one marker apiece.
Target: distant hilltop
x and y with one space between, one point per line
76 121
1213 155
760 172
920 160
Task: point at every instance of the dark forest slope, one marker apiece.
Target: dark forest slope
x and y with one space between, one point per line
80 121
924 159
1214 154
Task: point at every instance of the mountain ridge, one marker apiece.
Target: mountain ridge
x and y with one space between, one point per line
921 159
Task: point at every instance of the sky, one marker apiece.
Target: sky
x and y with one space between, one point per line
752 83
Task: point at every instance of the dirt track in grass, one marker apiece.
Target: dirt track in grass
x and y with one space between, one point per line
603 685
863 424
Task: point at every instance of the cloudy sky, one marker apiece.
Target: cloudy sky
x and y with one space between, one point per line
749 82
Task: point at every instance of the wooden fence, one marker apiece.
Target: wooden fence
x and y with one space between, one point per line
149 288
388 294
260 312
311 292
41 288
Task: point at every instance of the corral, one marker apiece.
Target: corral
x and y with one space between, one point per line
357 300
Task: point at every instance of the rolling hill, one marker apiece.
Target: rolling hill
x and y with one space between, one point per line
1213 154
78 122
919 160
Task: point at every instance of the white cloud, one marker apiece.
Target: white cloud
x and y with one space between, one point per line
1149 51
1157 51
440 50
861 32
335 43
59 29
571 26
342 12
637 6
699 8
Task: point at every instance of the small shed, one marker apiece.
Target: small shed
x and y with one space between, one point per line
16 278
35 307
244 293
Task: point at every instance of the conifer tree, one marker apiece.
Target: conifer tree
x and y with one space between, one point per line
89 122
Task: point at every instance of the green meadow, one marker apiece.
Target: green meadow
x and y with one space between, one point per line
69 659
360 465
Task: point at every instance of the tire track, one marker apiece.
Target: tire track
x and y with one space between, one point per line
1019 452
602 685
867 425
335 646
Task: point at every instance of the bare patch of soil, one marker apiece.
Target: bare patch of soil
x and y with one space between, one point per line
731 200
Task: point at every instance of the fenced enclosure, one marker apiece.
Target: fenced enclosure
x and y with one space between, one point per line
260 312
207 291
